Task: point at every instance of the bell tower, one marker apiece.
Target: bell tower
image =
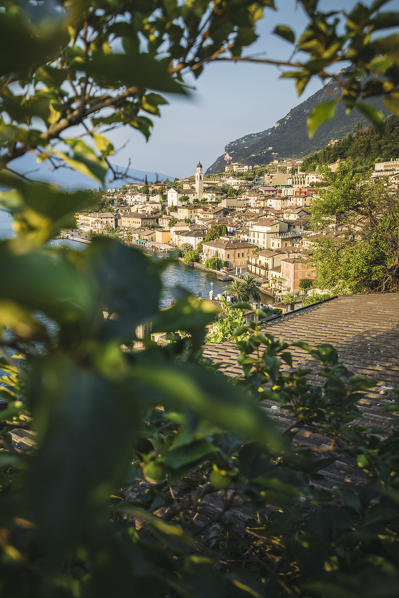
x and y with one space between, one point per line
199 181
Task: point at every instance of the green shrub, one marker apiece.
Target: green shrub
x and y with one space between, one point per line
214 263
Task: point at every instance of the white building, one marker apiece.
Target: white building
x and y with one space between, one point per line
237 167
135 198
173 197
261 231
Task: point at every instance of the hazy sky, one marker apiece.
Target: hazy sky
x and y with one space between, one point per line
231 100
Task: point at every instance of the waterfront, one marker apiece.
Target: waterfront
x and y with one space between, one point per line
175 278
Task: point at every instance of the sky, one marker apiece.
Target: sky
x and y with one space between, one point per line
230 100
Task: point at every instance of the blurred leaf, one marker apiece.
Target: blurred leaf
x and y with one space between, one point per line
84 160
85 426
189 454
24 45
132 68
285 32
128 284
186 314
212 396
157 523
392 103
374 115
103 144
20 321
319 115
44 280
40 211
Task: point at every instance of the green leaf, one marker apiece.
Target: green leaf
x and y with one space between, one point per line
189 454
132 69
385 20
128 285
320 114
392 103
189 314
84 160
103 144
361 382
350 499
44 280
41 210
212 396
156 522
84 429
285 32
24 45
374 115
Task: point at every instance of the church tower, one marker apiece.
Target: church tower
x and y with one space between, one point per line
199 181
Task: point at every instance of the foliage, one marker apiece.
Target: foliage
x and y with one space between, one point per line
127 440
305 284
246 289
214 263
191 256
230 320
315 298
357 249
363 148
185 248
289 298
215 232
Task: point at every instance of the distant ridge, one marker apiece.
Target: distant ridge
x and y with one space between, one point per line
288 138
72 179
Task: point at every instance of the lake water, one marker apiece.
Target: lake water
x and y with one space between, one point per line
175 278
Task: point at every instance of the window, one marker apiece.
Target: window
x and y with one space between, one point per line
228 255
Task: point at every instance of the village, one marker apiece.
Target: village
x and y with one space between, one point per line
246 220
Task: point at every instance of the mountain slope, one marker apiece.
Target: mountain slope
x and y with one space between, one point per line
288 138
364 148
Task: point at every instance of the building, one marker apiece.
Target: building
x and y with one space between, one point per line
233 202
295 213
190 237
237 167
306 179
186 212
267 260
96 221
285 240
293 270
135 198
162 236
199 181
232 251
173 197
260 231
278 178
386 169
137 220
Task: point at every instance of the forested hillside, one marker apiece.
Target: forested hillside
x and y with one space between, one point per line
365 147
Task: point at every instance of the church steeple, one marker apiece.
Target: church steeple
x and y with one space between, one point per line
199 181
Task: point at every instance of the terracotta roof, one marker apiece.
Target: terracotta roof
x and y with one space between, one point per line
363 328
228 244
266 222
365 331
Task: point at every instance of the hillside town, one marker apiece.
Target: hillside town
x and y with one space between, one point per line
247 219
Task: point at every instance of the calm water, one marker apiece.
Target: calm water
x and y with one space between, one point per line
175 278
